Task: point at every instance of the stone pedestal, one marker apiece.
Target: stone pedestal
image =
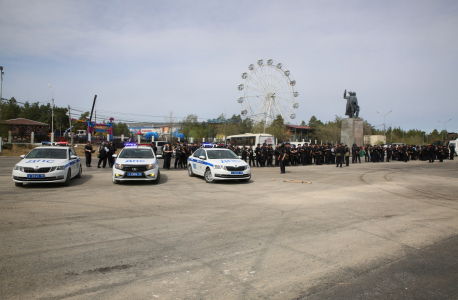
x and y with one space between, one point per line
352 132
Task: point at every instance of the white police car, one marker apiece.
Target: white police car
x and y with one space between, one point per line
136 163
218 164
48 164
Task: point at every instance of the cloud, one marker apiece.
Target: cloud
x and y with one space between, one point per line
396 55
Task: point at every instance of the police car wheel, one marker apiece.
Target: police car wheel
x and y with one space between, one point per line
158 178
208 176
18 184
190 172
79 173
67 180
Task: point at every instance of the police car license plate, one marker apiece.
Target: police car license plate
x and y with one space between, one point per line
134 174
35 175
236 173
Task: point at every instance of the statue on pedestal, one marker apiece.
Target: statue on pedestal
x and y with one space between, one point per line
352 110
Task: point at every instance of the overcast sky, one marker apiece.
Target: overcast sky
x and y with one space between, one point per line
147 58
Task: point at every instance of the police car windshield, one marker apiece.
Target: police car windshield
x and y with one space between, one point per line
136 153
221 154
48 153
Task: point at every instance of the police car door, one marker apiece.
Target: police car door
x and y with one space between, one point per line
196 162
76 163
71 166
202 166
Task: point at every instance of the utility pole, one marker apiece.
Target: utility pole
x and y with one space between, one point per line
225 123
60 126
70 123
444 128
52 114
384 131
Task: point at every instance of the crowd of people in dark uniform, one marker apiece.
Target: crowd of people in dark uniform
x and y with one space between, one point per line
291 155
106 151
307 154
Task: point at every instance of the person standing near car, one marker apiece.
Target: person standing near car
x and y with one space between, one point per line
112 150
153 145
250 156
103 153
167 150
178 153
88 153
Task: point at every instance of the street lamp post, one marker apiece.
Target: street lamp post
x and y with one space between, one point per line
444 127
384 131
52 114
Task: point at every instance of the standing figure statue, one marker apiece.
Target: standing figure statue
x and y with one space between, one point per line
352 110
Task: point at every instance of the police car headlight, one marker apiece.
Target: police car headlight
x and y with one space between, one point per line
149 167
219 167
247 167
57 168
118 166
18 168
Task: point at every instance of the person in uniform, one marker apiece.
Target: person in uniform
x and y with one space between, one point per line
244 153
452 151
270 153
111 151
153 145
347 156
440 153
103 153
340 154
263 155
88 153
238 151
388 153
277 155
258 155
167 150
178 154
284 153
353 154
251 156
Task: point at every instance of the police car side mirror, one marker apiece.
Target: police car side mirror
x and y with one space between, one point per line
22 156
115 155
73 157
202 157
240 157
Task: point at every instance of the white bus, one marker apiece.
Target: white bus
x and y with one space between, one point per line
251 139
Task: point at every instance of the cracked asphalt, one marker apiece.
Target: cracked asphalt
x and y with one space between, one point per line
369 231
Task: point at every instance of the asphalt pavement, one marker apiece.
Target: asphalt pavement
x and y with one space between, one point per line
368 231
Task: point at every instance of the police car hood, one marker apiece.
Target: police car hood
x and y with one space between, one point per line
43 162
136 161
228 162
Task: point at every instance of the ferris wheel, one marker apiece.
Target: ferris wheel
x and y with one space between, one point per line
268 91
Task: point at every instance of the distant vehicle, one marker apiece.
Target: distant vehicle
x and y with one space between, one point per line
218 164
81 133
455 144
136 163
160 145
48 164
251 139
